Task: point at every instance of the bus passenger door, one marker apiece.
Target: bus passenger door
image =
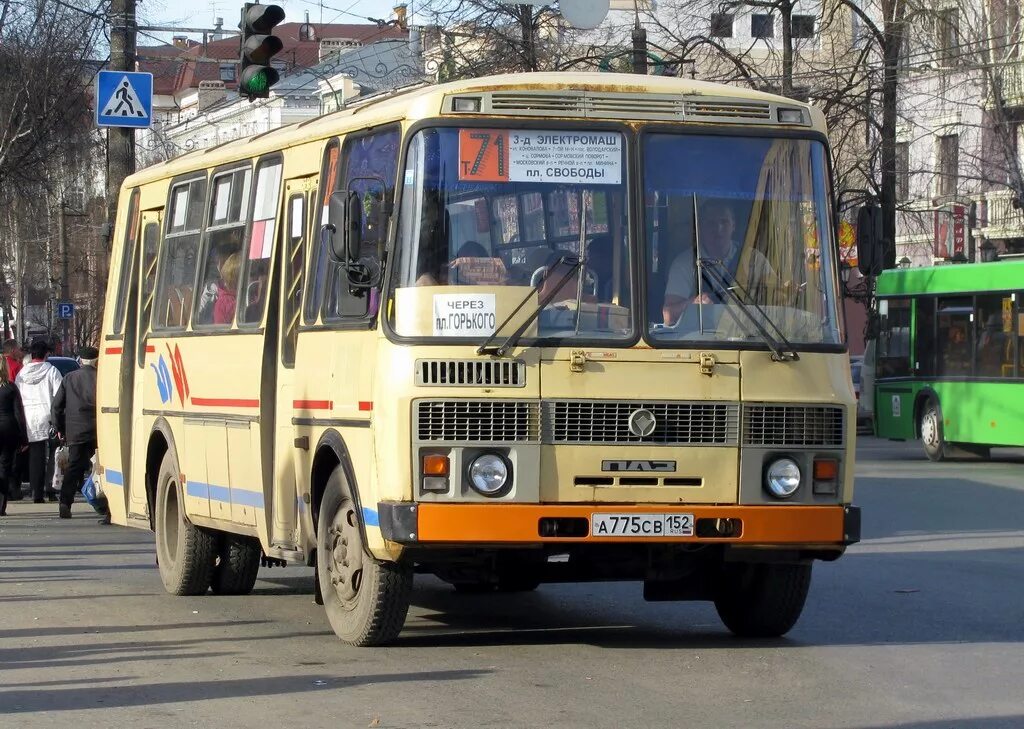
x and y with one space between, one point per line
134 373
299 196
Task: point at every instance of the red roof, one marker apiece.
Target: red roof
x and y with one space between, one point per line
178 69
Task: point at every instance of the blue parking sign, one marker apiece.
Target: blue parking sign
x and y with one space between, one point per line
124 99
65 310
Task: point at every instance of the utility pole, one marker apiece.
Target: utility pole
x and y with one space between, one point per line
639 46
65 289
120 141
894 14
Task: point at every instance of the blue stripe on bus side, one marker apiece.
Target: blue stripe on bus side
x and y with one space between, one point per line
370 517
114 478
239 497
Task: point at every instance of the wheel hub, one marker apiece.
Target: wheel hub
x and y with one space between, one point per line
346 554
929 429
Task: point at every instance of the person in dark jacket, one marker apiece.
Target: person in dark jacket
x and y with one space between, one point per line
12 434
74 416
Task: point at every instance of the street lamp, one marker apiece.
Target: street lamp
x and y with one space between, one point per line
904 262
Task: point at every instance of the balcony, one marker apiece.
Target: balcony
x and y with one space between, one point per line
1012 85
1002 218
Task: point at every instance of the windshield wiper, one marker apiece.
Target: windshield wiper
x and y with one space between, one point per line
574 263
718 275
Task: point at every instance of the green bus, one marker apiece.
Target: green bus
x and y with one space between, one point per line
948 360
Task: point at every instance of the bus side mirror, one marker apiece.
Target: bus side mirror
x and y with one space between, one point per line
870 256
345 213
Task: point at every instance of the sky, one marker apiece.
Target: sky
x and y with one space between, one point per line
201 13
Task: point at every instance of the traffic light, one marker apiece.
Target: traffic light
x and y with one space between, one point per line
257 48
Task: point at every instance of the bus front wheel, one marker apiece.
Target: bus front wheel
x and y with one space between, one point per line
366 600
238 564
930 427
762 600
185 552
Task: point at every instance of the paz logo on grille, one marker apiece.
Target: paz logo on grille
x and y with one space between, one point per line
642 422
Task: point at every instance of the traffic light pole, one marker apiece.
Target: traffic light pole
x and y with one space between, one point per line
65 288
120 141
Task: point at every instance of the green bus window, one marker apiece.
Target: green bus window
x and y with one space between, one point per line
994 336
894 339
954 336
924 336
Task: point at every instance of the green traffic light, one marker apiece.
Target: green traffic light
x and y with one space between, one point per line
257 83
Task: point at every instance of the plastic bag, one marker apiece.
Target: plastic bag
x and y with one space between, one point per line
60 464
92 495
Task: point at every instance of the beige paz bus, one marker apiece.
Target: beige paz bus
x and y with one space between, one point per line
513 330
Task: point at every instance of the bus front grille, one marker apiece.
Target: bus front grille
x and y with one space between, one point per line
470 373
608 422
477 421
793 425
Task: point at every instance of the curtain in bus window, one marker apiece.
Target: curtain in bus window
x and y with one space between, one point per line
180 254
222 248
954 336
994 336
256 278
369 164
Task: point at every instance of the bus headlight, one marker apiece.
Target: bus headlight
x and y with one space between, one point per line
488 474
782 478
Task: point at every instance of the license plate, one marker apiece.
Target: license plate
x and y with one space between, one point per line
641 525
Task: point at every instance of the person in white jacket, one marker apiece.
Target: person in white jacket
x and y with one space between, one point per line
38 383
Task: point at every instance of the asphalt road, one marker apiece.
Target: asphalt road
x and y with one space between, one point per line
921 625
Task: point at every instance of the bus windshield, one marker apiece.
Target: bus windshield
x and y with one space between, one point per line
751 215
507 211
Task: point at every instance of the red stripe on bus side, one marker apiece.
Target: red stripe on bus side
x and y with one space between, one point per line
227 402
150 349
113 350
313 404
365 406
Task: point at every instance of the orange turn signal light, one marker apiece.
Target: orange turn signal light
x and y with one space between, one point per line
826 469
435 465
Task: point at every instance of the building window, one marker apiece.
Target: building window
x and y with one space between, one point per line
721 25
949 153
803 26
948 27
902 171
762 26
227 72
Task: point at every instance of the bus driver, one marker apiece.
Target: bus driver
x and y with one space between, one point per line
717 225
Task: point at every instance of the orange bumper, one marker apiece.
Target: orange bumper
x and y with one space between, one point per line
410 523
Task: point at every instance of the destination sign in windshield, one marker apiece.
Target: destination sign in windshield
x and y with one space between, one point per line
503 155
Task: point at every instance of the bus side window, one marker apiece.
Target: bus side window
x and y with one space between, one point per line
256 277
894 341
127 254
177 269
366 160
993 318
222 248
150 249
318 256
291 307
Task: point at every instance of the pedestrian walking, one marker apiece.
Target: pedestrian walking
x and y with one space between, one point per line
38 383
74 416
14 356
12 435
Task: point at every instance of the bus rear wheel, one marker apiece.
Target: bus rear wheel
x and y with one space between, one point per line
762 600
238 563
366 600
930 427
185 552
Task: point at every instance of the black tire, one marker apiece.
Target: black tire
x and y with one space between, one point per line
929 425
366 600
762 600
238 563
185 552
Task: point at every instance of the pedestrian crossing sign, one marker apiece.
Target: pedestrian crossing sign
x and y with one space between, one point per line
124 99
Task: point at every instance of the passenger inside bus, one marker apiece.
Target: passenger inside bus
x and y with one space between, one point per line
223 245
227 287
